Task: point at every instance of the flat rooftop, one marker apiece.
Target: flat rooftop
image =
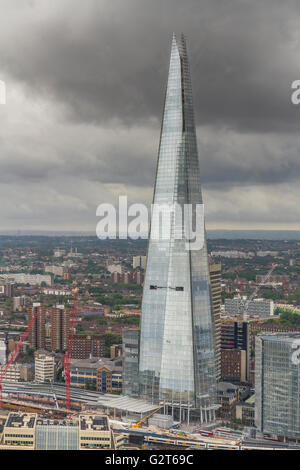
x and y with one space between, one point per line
21 420
94 423
132 405
281 337
112 364
55 422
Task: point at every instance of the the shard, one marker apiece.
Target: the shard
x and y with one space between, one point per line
176 354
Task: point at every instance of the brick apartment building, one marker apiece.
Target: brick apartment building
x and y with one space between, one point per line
37 334
234 365
86 346
60 328
127 278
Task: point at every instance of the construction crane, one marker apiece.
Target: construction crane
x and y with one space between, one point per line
138 425
246 304
6 348
68 355
16 352
6 342
54 395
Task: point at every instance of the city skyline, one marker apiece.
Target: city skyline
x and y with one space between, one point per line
83 109
150 227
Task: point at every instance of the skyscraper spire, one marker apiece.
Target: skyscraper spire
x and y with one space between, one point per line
177 363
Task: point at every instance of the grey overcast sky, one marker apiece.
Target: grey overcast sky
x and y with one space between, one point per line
85 86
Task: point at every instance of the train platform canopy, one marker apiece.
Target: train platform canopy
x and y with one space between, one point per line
128 404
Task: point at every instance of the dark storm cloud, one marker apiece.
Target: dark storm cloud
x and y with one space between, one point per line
85 87
108 59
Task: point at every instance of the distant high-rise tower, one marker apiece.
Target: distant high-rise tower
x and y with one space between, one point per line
37 335
177 354
60 328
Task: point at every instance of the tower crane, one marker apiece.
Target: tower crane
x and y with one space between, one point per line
6 342
138 425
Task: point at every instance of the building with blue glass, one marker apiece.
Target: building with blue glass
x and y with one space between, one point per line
176 352
103 375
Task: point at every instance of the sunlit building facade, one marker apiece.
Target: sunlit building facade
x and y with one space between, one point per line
177 357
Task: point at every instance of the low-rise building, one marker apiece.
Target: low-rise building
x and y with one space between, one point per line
57 292
257 307
245 412
31 279
13 373
19 431
27 431
232 254
227 396
55 270
103 375
109 379
94 433
273 279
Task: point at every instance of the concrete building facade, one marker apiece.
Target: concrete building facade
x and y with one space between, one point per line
44 365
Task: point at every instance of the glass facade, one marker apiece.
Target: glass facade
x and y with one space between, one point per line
83 377
277 384
177 358
131 337
56 437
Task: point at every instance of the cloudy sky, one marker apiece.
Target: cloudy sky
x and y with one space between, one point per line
85 86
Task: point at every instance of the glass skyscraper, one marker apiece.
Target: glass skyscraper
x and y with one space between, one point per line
277 384
177 357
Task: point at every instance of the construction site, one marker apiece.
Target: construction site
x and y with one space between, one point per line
17 401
